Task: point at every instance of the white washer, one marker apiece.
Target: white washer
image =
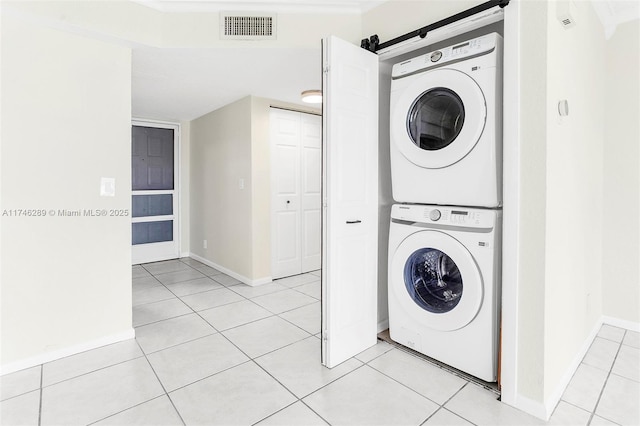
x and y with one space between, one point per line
444 284
445 123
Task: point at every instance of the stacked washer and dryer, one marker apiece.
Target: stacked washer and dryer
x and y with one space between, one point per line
445 233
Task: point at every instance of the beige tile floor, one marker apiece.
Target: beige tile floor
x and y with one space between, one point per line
210 350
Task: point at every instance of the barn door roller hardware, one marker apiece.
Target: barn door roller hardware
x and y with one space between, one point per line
373 43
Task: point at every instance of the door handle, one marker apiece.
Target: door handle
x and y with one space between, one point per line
351 222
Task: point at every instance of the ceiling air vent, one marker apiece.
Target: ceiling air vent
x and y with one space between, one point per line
247 26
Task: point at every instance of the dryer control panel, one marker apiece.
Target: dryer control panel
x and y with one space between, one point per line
460 217
476 47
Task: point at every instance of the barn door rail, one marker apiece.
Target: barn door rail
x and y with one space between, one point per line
373 43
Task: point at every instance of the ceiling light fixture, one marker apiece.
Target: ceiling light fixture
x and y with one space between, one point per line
312 96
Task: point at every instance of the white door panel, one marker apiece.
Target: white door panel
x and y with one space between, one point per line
296 192
350 193
311 240
311 191
285 199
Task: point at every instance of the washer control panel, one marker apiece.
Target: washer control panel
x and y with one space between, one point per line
464 217
475 47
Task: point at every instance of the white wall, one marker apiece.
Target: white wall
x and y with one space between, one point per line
229 144
574 167
563 186
138 25
65 281
621 153
220 210
531 203
398 17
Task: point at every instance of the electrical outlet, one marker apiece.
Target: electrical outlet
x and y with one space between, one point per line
204 244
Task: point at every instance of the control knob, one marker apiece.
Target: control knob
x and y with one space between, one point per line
435 215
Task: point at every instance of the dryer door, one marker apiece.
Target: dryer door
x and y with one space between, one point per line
438 118
436 280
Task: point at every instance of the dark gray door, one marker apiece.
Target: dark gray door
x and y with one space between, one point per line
154 195
152 158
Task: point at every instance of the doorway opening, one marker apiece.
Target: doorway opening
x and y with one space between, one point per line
155 200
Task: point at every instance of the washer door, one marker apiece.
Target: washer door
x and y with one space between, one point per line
436 280
438 118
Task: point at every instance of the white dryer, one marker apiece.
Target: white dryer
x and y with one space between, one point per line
446 125
444 284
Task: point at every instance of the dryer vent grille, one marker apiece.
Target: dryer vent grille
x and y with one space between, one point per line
236 26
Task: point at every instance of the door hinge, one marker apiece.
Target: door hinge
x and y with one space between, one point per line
326 69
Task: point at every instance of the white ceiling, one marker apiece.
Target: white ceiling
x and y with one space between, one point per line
183 84
278 6
615 12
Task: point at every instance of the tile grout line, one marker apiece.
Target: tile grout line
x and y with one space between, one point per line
440 406
40 406
92 371
414 390
327 384
126 409
247 299
254 359
314 411
604 385
274 413
446 368
162 385
454 395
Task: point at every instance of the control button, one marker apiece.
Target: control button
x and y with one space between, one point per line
435 56
434 215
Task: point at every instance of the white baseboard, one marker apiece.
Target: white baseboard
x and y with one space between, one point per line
247 281
553 400
530 406
544 411
64 352
184 254
617 322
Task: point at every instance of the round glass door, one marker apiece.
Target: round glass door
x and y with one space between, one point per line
435 119
433 280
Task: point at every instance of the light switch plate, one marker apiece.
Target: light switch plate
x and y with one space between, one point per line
107 187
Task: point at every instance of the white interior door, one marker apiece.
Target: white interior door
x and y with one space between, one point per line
296 192
311 191
350 198
155 197
285 193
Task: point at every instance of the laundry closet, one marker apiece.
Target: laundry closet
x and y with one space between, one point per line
468 229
